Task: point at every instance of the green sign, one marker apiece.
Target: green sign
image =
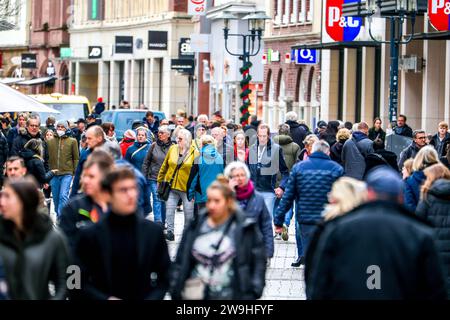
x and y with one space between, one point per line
66 52
94 12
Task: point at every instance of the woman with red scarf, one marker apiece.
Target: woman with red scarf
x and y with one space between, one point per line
240 147
251 202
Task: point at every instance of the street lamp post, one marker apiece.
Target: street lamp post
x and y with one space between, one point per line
397 11
256 23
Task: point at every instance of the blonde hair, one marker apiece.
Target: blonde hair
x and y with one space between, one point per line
433 173
443 124
408 166
343 134
310 140
222 184
187 137
207 139
426 157
346 194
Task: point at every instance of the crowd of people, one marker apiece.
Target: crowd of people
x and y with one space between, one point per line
354 204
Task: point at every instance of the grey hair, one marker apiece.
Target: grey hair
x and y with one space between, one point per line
187 137
164 128
291 116
284 129
234 166
202 116
321 146
207 139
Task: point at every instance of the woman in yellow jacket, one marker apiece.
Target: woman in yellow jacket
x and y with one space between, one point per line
181 156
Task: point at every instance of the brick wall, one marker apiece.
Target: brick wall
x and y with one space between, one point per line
178 5
293 74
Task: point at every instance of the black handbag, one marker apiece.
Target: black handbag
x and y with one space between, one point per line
164 190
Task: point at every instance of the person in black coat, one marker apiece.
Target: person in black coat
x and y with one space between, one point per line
441 140
32 155
383 251
336 150
3 153
298 132
381 156
376 132
123 256
221 255
435 208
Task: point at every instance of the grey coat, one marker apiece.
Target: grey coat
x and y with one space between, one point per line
154 159
31 264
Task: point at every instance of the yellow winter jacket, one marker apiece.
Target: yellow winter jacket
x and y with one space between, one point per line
170 164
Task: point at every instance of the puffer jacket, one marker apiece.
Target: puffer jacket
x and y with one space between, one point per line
308 185
207 166
63 154
264 173
249 264
411 190
155 158
137 153
30 265
170 164
435 208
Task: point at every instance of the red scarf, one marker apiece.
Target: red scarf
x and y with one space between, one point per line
245 192
247 151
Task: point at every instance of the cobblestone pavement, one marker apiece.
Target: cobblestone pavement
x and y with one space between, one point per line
282 281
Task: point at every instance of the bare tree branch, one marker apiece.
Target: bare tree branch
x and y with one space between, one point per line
9 11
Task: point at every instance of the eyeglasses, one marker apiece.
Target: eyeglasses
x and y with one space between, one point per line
180 139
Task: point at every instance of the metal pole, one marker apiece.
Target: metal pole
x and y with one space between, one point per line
393 96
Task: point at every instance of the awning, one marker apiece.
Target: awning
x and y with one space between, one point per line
336 45
15 101
36 81
437 35
11 80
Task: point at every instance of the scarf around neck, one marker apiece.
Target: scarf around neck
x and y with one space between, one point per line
245 192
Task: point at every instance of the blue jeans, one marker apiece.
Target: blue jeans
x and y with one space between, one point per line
60 189
306 233
269 200
159 207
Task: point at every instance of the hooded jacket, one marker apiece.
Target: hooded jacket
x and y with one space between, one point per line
207 166
249 264
137 153
354 153
63 154
291 149
435 208
32 263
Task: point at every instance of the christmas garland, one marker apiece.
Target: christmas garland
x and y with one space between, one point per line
245 92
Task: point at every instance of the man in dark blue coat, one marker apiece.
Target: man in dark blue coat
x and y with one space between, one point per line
309 184
376 251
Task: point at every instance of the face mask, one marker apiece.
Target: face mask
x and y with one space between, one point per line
60 133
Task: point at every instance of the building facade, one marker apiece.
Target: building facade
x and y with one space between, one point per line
289 86
49 25
14 38
122 50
